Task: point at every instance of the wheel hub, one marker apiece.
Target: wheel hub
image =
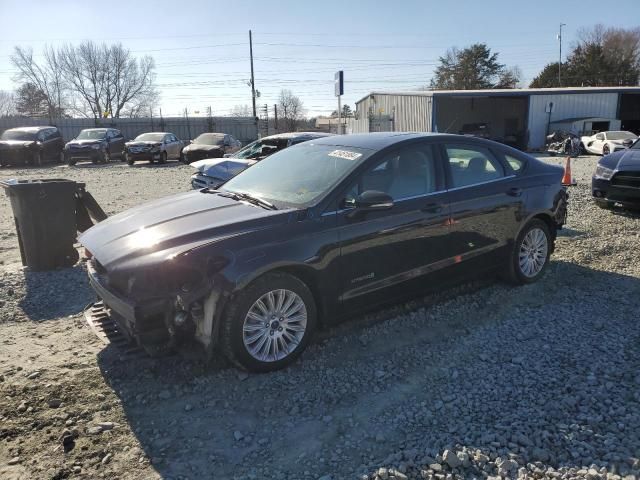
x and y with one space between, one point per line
274 325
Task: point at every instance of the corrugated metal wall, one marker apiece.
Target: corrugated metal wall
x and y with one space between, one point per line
242 128
411 113
569 105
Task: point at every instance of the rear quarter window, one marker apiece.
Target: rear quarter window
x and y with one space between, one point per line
516 164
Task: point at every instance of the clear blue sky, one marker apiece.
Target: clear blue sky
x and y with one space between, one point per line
202 53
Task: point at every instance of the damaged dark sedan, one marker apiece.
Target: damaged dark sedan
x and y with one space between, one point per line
210 145
317 232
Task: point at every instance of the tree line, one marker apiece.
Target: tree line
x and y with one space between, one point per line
88 80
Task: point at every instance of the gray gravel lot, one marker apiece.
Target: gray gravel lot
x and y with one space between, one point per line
481 381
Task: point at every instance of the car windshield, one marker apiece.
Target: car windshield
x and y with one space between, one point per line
298 176
210 139
620 136
254 149
91 135
18 135
150 137
636 145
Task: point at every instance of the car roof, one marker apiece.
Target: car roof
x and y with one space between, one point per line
375 141
298 135
97 129
30 129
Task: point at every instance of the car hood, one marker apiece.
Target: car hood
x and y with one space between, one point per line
202 146
15 143
143 143
222 168
84 142
161 229
629 160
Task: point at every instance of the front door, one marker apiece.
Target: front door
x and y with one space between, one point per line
486 200
385 250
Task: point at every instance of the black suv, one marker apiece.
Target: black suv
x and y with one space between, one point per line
30 146
99 145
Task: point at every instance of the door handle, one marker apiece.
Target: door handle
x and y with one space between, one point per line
514 192
433 208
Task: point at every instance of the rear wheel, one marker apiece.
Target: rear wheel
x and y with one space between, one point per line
530 254
269 323
605 150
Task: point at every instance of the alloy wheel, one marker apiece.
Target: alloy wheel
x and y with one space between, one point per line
533 252
274 325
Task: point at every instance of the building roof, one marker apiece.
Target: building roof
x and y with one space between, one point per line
505 92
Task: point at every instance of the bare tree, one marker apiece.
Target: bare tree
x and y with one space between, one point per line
46 76
7 103
290 109
90 79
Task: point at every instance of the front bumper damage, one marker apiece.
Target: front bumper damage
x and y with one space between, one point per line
159 324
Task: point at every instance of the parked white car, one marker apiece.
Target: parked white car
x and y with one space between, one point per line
604 143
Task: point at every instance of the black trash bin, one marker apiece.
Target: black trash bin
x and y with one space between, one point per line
45 216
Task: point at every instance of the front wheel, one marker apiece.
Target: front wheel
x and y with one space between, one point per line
106 156
530 254
130 161
163 157
606 150
37 159
269 323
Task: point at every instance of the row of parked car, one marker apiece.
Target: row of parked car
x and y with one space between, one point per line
40 145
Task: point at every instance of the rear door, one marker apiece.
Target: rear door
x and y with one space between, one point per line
486 200
117 142
384 250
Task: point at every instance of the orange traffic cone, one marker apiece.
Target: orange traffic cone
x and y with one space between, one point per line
567 179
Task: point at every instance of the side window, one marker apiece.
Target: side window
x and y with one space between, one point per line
600 136
515 163
470 165
405 173
42 135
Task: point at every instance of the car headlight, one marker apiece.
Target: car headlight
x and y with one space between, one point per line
604 172
96 146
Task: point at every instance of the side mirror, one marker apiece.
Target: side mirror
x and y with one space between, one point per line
373 200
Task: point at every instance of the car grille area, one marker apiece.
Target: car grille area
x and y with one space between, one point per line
626 180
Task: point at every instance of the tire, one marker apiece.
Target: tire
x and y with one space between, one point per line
237 343
517 272
60 158
37 159
182 158
583 149
106 157
130 161
163 157
605 150
71 162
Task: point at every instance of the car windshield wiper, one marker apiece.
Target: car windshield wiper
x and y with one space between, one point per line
249 198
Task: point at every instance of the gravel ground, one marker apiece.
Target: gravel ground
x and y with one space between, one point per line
480 381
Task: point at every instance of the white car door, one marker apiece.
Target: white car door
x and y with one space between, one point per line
596 146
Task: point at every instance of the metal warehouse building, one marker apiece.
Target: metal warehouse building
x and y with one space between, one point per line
521 117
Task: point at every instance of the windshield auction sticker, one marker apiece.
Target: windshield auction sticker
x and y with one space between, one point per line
345 154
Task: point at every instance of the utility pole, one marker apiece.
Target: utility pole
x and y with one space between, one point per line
275 115
186 115
253 82
560 55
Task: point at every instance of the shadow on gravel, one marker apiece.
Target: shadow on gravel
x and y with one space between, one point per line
402 400
55 294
